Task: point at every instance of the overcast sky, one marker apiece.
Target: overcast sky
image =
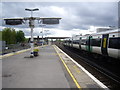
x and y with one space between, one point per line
77 17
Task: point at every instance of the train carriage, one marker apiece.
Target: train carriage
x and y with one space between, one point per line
85 43
105 43
71 42
76 41
95 43
114 44
65 41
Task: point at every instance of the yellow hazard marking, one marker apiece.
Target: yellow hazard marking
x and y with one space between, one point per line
75 81
51 54
76 69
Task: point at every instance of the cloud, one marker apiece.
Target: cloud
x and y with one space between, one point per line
75 15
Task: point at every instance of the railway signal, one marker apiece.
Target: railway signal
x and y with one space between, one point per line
18 21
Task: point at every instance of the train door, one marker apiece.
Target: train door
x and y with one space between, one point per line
80 39
68 42
104 45
88 47
72 42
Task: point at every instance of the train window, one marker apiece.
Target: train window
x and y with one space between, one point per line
83 42
76 42
96 42
73 42
87 42
69 41
114 42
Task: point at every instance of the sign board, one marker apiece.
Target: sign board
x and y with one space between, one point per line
13 21
50 21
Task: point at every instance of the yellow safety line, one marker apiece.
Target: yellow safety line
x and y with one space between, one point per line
75 81
18 52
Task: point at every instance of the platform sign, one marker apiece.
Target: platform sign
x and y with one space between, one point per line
50 21
13 21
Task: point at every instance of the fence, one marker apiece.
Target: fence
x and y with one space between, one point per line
14 47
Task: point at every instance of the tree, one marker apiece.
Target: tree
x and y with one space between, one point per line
6 35
11 36
0 35
20 36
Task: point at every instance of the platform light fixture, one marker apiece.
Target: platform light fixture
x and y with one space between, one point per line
36 9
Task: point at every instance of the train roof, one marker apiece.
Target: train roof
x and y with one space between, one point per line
100 33
107 32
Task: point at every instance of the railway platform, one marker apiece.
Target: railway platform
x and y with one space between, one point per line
51 69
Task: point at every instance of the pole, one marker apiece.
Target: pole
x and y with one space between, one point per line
31 13
42 36
31 25
42 33
32 43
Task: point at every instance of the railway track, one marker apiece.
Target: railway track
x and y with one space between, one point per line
107 76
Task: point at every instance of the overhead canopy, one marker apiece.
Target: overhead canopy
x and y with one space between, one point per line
36 38
13 21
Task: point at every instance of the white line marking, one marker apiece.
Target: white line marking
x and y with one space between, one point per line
89 74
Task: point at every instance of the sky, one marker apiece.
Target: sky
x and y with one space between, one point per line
77 17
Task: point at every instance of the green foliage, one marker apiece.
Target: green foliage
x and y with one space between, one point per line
20 36
0 35
11 36
7 35
26 40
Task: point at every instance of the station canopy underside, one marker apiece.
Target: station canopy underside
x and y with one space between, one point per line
50 38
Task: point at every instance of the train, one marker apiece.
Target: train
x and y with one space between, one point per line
105 43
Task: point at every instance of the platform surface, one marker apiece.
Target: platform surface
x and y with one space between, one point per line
45 71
